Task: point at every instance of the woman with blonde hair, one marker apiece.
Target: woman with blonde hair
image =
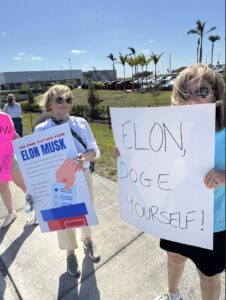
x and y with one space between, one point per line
199 84
58 102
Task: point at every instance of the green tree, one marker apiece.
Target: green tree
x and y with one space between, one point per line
200 30
113 59
133 52
213 39
155 58
198 46
142 62
123 59
131 62
93 100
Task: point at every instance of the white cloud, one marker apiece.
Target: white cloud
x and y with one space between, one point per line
77 51
27 57
3 34
151 41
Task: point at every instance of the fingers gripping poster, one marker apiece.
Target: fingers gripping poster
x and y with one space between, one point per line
165 153
55 181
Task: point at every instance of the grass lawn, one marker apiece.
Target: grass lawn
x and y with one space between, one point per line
124 99
106 164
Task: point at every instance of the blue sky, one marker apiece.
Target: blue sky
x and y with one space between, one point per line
44 34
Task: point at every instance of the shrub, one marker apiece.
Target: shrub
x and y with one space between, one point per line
98 112
98 85
34 107
93 100
80 110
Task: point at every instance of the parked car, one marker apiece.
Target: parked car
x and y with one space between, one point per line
128 85
168 86
111 85
85 85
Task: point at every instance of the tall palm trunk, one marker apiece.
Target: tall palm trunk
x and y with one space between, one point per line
212 54
124 74
200 50
198 43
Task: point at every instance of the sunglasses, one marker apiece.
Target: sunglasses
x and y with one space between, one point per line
61 100
202 92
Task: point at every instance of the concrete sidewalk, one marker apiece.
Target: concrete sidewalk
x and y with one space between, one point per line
132 265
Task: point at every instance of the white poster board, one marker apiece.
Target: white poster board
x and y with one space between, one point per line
54 180
165 154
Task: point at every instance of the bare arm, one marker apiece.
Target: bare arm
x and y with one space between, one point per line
214 178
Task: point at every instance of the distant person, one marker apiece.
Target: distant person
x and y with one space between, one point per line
13 109
58 102
199 84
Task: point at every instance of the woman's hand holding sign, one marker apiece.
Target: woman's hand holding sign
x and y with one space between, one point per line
215 178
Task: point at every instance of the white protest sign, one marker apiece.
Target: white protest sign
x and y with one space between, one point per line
56 183
165 154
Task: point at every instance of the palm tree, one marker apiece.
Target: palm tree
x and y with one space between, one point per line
213 39
133 52
131 62
113 59
198 45
200 31
123 59
148 60
142 62
155 58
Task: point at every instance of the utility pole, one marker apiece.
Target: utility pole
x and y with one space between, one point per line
170 62
70 66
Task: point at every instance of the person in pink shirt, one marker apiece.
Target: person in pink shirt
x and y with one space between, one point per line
9 169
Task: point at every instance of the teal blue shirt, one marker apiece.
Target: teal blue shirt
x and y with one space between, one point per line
219 193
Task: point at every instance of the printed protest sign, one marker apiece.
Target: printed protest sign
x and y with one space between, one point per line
7 133
165 154
54 180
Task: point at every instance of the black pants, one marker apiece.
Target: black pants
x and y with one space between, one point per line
18 125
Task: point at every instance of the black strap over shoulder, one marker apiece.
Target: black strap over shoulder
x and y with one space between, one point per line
78 138
91 163
75 135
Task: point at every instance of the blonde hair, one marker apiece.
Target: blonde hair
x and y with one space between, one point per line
181 91
53 92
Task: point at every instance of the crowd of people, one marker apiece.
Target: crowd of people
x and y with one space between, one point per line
197 84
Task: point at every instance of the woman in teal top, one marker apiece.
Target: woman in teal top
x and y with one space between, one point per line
199 84
219 192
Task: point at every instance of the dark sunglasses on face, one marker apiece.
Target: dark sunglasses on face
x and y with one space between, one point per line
61 100
202 92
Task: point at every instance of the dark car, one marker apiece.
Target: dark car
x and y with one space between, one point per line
111 85
128 85
85 85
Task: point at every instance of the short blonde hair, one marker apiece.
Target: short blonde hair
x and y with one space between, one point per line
181 91
53 92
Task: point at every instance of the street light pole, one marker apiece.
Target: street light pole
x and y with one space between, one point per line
70 66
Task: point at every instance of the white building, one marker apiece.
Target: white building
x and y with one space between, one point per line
21 77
